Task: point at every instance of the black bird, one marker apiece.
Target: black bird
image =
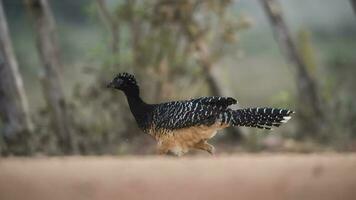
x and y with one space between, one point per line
179 126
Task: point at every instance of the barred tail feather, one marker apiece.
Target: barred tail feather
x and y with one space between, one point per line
264 118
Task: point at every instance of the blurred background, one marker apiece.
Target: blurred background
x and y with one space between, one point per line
57 56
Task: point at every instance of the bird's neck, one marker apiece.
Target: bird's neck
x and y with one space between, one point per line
139 108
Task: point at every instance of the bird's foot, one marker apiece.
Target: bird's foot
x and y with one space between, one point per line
204 145
211 149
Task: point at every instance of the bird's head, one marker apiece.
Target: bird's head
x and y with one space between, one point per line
125 82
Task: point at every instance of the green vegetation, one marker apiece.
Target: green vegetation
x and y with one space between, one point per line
173 49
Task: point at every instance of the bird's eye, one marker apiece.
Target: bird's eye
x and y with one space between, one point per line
120 81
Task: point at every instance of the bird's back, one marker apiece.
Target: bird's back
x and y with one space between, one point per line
188 113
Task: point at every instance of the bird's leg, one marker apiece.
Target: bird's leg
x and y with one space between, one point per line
204 145
161 149
165 151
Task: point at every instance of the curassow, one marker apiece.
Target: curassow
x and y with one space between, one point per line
182 125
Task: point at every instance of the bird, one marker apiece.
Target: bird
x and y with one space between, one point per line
180 126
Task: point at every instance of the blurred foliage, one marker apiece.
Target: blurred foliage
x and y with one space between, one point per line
163 42
306 50
156 43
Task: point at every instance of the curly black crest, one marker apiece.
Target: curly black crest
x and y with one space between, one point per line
127 77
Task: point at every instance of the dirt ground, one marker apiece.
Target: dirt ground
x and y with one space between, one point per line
246 177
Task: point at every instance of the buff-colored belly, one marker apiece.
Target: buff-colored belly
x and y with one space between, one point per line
180 141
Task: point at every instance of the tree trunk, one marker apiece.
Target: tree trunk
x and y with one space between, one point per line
13 102
49 55
309 101
353 3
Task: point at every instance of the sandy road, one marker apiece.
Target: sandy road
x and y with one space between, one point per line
247 177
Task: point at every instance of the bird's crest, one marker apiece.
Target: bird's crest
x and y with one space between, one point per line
127 77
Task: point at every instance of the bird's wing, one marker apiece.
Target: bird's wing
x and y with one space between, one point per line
182 114
216 101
